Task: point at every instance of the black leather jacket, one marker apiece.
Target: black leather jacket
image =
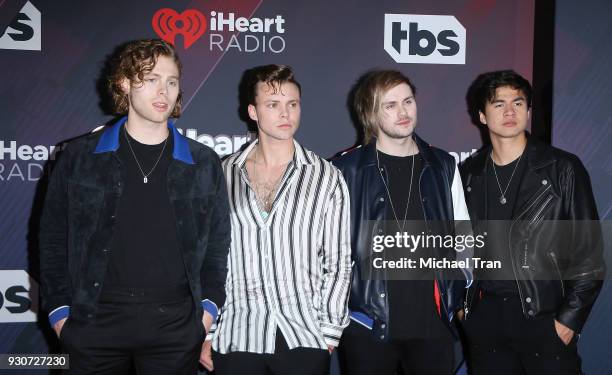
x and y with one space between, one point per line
555 239
79 215
441 194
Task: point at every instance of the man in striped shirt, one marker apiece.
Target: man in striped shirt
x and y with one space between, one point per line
289 264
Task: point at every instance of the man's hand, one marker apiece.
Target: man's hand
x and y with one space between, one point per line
460 314
206 356
57 327
565 333
206 353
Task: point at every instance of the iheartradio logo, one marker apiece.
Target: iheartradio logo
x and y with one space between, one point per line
168 23
229 31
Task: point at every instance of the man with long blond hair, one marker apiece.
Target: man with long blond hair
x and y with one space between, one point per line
135 230
399 184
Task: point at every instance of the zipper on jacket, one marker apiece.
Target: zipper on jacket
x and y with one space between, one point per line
554 260
540 210
510 246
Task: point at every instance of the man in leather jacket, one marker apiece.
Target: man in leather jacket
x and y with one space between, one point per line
398 183
535 205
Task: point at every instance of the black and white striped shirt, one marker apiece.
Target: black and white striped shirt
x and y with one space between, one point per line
291 270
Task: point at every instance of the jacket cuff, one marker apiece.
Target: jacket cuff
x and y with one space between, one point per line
58 314
331 333
211 308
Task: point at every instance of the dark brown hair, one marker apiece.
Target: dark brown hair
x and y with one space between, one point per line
132 61
370 90
273 75
483 89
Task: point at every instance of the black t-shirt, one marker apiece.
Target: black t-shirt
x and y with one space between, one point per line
145 248
501 281
412 309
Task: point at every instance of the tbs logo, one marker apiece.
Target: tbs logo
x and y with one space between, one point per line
24 32
18 297
421 39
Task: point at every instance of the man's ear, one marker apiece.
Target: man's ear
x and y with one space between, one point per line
252 112
483 119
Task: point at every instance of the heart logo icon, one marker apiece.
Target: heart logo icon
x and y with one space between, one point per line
168 23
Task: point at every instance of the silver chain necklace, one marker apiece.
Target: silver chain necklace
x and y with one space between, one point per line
400 227
502 198
145 176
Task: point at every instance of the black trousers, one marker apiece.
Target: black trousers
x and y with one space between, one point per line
361 354
136 338
284 361
502 341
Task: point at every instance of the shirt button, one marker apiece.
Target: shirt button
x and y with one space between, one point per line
90 316
424 199
383 326
382 295
96 284
469 188
530 313
382 199
528 299
382 337
119 183
544 182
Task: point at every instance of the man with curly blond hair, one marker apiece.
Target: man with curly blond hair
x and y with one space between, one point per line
135 230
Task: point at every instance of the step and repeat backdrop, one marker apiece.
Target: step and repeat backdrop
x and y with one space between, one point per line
52 56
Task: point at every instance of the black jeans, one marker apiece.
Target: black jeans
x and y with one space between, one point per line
141 338
284 361
502 341
361 354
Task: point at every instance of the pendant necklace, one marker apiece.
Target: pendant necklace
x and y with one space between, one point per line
502 198
145 176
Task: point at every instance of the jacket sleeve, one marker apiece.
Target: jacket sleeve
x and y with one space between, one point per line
585 267
336 264
214 269
53 239
463 226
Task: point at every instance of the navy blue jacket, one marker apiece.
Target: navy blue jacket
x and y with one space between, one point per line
441 194
79 215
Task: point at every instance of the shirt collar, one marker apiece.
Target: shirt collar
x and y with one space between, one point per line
300 157
109 141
